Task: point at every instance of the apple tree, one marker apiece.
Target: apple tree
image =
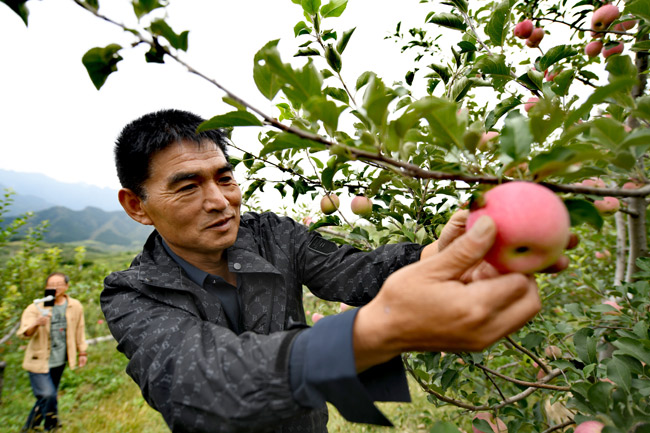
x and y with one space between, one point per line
544 91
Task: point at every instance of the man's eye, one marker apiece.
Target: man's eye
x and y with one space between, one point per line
187 187
226 180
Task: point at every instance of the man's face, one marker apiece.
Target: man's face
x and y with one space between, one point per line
193 200
57 282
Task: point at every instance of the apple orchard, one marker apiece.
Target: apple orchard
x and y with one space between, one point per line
487 98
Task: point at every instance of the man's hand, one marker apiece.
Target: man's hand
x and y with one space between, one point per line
83 360
425 306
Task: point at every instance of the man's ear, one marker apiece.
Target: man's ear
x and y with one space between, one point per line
133 206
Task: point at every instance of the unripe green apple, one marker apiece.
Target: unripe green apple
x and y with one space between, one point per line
532 226
535 37
329 203
593 48
524 29
613 49
589 427
361 205
604 16
608 205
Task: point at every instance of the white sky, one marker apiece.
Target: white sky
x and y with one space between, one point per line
54 122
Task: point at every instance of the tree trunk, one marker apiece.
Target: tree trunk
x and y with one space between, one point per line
637 234
621 248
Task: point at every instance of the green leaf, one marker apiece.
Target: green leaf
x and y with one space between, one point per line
618 372
231 119
618 85
268 83
532 79
333 58
338 94
311 7
143 7
639 8
161 28
444 427
482 425
301 29
516 137
501 109
641 46
599 395
319 108
494 66
363 79
443 71
562 82
306 52
343 42
461 5
286 140
555 55
101 62
497 28
334 8
448 20
585 344
583 211
639 349
376 99
19 7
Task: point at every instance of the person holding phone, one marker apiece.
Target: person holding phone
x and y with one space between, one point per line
56 333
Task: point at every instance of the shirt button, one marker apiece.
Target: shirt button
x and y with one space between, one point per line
237 266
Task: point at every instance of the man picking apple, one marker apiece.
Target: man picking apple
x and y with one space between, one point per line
210 312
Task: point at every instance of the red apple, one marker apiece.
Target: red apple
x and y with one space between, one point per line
532 226
604 16
486 138
308 221
500 426
523 29
530 103
632 185
613 49
593 48
535 37
329 203
361 205
608 205
316 317
613 304
553 352
625 25
589 427
550 76
594 182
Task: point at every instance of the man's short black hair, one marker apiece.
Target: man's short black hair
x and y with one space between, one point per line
151 133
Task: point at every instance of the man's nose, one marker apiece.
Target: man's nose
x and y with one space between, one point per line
214 198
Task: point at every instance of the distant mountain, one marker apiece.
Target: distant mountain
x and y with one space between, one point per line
90 224
35 192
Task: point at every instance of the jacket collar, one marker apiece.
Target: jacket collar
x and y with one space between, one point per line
158 268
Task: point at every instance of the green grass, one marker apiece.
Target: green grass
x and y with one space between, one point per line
101 398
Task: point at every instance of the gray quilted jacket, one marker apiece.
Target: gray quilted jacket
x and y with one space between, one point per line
200 375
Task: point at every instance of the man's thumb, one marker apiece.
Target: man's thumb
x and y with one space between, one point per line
466 251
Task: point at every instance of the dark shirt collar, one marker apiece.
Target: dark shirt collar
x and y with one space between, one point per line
195 274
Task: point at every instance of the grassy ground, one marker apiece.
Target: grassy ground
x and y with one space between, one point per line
101 398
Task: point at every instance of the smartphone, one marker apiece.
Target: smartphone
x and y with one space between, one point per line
49 292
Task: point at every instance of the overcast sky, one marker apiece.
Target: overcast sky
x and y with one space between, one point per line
55 122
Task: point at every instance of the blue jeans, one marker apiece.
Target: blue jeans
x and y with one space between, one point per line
45 387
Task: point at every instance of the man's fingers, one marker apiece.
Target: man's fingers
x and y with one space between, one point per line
454 228
465 252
